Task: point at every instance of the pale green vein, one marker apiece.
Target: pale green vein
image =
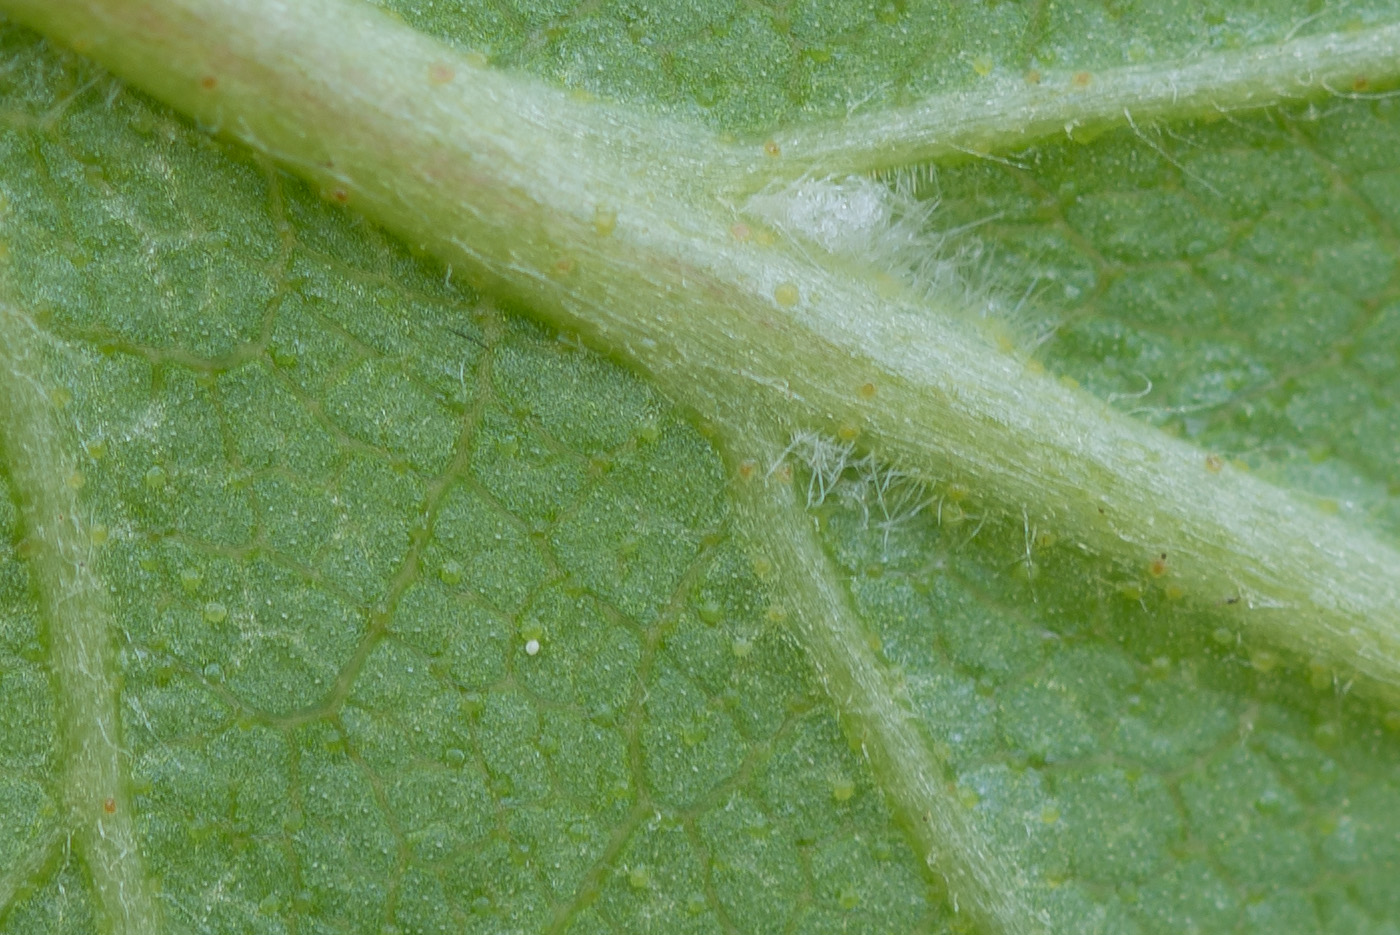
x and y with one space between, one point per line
1010 113
875 715
27 872
36 450
608 223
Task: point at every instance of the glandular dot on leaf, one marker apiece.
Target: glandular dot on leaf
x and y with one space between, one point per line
451 572
190 579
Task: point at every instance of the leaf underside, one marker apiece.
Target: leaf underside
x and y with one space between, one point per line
429 620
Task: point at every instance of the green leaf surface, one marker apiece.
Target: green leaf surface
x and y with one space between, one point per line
413 616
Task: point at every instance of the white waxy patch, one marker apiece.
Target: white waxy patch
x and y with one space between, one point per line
842 215
884 224
532 648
